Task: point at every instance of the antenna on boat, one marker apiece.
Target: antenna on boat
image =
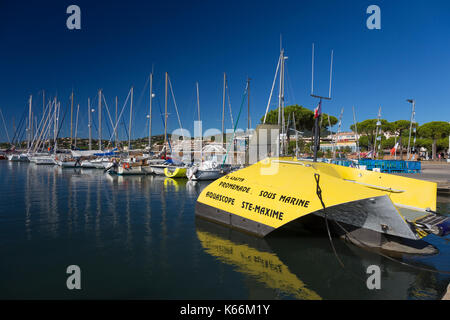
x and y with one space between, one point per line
318 110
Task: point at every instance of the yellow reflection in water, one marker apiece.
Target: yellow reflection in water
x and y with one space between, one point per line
266 267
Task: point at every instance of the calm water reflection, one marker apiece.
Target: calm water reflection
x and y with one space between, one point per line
137 237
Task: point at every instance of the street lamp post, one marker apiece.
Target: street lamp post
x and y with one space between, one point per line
410 125
448 157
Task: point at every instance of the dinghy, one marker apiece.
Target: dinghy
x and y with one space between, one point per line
175 172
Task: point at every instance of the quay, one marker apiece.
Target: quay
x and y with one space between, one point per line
438 172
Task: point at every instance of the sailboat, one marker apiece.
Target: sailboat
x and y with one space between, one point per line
209 169
283 193
162 162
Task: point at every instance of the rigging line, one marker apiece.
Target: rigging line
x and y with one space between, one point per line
45 128
273 86
17 128
162 118
42 123
120 116
110 119
237 121
139 101
229 102
4 124
126 129
193 100
107 110
175 103
62 121
291 89
319 195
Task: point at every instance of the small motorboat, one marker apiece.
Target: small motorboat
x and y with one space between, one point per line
127 168
69 163
207 170
45 160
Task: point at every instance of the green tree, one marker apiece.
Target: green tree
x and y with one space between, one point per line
434 130
388 143
304 118
364 143
368 128
400 128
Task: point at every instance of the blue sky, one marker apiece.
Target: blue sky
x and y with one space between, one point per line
119 42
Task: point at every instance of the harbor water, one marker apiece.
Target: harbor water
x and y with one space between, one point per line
137 237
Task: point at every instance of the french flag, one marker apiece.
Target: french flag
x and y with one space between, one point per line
318 110
394 149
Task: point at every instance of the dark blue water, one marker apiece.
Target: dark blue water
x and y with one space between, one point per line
138 238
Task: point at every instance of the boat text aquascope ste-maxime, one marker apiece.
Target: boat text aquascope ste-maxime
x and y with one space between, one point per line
280 193
368 208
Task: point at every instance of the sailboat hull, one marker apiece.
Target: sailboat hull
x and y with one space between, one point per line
137 170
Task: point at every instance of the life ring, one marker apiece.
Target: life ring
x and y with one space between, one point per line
126 165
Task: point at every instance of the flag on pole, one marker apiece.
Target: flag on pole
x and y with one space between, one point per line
394 149
318 110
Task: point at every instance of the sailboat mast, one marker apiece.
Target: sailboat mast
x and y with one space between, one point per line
76 124
115 134
131 118
71 118
100 119
281 119
223 109
150 116
54 125
30 121
296 135
165 117
90 124
248 104
356 133
198 103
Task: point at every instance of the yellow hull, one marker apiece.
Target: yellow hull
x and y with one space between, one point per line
277 191
175 173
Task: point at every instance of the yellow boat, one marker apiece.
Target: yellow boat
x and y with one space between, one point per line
175 172
277 193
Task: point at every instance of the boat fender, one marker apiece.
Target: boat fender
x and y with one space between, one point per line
444 228
192 172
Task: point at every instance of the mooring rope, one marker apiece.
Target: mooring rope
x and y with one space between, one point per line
319 195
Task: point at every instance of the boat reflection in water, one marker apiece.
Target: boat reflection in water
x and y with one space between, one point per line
304 267
137 237
257 261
